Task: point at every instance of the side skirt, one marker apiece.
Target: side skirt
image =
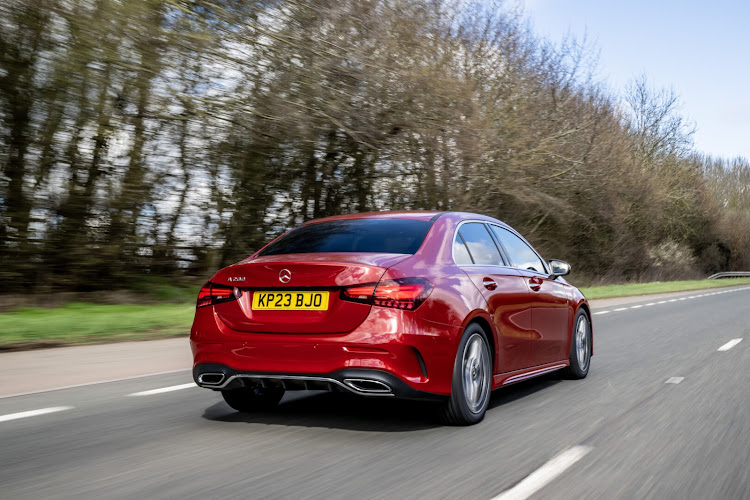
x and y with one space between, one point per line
527 373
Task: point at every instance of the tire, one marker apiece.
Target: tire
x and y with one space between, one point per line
251 399
472 380
580 348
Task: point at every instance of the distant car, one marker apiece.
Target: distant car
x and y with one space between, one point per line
415 305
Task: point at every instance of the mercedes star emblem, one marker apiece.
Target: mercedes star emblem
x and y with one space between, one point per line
285 275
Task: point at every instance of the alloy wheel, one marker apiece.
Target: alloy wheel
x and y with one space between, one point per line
476 373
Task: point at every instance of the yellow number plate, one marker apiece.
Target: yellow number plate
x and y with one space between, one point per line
290 301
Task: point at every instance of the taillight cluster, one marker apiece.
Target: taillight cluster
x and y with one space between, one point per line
211 294
403 293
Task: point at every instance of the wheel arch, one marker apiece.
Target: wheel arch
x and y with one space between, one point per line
485 324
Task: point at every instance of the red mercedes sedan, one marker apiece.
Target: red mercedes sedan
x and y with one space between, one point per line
418 305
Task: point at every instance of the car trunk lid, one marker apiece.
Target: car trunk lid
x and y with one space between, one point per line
281 276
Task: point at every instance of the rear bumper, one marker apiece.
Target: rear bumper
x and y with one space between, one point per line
372 383
410 355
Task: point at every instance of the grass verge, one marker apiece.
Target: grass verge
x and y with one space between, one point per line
82 323
610 291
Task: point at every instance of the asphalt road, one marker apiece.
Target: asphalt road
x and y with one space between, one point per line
623 432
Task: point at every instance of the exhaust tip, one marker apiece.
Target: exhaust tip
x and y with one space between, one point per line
210 378
368 386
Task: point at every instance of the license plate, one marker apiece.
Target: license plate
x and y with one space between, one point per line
290 301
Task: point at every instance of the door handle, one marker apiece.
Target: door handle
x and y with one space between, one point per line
489 283
535 283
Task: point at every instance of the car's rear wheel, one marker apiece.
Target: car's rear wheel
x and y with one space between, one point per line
250 399
580 348
472 379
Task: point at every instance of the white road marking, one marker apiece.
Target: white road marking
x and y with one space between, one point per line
545 474
669 300
91 383
33 413
729 345
164 389
674 380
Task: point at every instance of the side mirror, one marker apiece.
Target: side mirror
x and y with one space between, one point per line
558 267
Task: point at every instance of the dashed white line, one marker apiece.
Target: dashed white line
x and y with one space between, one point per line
33 413
674 380
545 474
164 389
729 345
670 300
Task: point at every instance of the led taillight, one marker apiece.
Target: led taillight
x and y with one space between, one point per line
359 293
403 293
211 293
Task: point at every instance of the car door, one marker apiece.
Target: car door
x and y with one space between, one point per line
504 289
550 317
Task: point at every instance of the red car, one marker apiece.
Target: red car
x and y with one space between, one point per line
418 305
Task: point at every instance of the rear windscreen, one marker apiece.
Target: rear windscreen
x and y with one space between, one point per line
353 235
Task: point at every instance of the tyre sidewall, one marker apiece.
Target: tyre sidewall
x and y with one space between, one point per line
458 396
575 367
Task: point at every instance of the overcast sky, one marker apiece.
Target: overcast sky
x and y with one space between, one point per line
700 48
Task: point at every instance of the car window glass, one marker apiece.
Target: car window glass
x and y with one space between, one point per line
353 235
460 253
483 250
520 254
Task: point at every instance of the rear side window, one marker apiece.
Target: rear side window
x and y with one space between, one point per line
460 253
479 242
353 235
520 254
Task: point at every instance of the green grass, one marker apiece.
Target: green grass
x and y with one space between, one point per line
79 323
609 291
83 323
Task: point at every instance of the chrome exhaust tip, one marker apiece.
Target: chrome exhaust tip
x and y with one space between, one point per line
210 378
367 386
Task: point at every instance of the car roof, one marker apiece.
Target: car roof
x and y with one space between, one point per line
400 214
425 215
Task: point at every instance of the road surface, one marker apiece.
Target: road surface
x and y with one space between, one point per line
664 413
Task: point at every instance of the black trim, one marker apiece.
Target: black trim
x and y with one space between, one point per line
437 216
400 389
422 366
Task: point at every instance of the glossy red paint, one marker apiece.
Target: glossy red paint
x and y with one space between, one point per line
528 317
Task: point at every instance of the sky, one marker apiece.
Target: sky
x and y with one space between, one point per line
701 49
